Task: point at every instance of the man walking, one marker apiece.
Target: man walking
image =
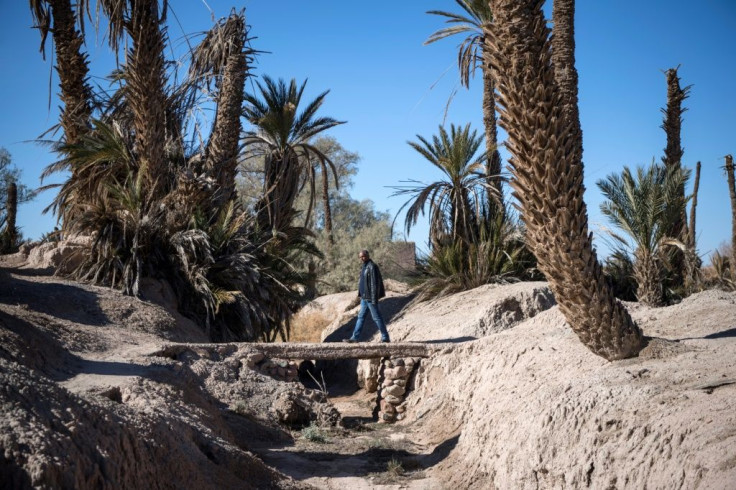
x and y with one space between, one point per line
370 290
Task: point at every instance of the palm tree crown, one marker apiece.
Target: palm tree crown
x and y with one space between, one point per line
478 17
455 200
282 135
644 205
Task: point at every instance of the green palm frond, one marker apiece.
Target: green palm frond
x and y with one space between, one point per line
454 202
473 26
644 205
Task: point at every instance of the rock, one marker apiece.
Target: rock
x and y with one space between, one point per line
393 390
387 407
395 400
289 411
395 373
368 374
387 417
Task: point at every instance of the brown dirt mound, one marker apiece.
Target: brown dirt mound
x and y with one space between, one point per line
531 407
86 403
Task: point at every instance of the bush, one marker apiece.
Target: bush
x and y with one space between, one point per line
314 433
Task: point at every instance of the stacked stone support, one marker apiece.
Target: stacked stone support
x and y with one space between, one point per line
394 380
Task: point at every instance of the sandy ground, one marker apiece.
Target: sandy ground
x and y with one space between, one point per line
89 399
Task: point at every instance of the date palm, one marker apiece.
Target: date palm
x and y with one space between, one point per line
547 179
145 81
645 206
454 201
223 56
672 125
563 60
475 50
282 136
58 18
729 168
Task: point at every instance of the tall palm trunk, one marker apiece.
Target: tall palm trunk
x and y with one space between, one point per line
672 126
694 204
72 67
692 261
548 180
673 152
146 79
11 210
563 59
326 204
494 193
732 192
221 159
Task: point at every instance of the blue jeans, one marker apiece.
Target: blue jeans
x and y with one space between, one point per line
377 318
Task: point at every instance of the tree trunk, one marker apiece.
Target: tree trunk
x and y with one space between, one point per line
494 192
732 192
146 79
11 210
691 227
563 59
647 273
221 159
692 261
547 179
280 188
672 126
72 67
326 204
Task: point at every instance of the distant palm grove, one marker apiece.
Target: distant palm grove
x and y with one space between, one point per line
247 216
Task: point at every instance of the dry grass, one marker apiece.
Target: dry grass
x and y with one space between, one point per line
308 326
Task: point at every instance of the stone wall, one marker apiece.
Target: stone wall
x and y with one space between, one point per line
395 382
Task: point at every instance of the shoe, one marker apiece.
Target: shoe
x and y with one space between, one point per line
349 341
385 341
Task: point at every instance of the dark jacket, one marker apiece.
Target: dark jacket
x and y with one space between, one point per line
373 289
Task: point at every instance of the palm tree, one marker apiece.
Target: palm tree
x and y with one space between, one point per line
454 202
672 125
732 192
563 59
476 48
692 261
58 17
547 180
645 206
223 56
282 136
9 237
235 280
145 81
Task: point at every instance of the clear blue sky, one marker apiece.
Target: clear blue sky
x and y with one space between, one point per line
389 87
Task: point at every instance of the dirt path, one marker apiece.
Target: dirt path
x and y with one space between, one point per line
362 455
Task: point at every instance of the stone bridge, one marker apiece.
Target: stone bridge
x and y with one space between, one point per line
397 363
